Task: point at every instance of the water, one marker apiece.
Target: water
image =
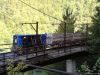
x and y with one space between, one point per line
58 66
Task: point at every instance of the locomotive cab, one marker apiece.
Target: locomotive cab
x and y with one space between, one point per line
21 42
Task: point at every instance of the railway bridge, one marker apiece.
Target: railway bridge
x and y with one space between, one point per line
43 57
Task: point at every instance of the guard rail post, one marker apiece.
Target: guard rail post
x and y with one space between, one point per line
4 62
44 49
36 51
3 58
26 53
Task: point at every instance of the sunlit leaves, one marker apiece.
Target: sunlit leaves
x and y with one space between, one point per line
14 12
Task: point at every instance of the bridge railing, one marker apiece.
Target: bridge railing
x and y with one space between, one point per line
26 52
16 56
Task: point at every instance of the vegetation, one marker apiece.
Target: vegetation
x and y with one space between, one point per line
13 13
68 20
15 70
95 31
86 67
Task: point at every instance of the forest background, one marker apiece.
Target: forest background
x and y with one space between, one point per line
14 12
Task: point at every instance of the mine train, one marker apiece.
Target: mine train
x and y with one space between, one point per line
45 41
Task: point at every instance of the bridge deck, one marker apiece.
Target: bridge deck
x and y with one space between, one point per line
38 56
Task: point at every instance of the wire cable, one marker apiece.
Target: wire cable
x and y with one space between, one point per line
41 12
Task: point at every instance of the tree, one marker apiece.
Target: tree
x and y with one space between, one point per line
69 20
95 31
14 12
15 70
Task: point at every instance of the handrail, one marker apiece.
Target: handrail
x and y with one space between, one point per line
35 52
6 44
43 50
27 54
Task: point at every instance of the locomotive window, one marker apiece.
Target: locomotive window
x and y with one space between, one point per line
31 40
15 41
34 41
38 40
27 41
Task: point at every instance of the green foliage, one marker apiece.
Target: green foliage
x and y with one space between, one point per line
68 20
12 70
98 0
95 31
85 68
13 13
96 67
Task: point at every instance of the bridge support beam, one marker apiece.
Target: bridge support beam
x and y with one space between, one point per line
71 66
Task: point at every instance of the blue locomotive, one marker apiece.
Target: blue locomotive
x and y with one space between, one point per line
28 42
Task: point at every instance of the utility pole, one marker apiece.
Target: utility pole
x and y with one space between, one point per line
36 28
65 35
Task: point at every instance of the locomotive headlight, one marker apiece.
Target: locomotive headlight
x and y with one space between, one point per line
24 37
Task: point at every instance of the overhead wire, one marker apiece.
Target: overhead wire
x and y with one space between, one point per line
45 14
42 12
38 11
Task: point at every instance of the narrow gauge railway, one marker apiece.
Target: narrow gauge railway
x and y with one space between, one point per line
52 53
25 47
43 41
27 44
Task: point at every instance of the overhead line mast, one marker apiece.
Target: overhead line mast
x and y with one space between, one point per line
31 24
